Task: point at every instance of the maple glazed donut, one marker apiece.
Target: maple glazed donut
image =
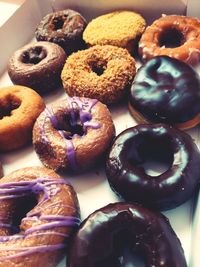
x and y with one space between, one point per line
174 36
19 108
64 28
162 144
101 72
37 65
166 90
101 238
39 212
73 134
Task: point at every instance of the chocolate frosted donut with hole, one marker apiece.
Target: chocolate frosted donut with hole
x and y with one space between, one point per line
174 36
19 108
102 237
166 90
134 148
39 212
64 28
37 65
104 72
73 134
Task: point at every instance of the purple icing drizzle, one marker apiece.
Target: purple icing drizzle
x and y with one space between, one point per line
24 188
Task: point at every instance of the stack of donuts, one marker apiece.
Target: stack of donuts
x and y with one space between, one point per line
95 65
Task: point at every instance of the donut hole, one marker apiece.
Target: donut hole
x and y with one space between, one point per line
23 206
152 154
34 55
98 67
171 38
58 22
7 105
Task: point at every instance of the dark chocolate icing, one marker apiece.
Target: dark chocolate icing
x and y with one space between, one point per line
135 146
103 234
166 90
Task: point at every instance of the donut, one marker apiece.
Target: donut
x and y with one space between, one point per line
119 28
19 108
174 36
101 72
160 143
101 238
166 90
39 212
64 28
73 134
37 65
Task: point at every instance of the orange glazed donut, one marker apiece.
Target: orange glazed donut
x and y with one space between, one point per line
19 108
38 213
174 36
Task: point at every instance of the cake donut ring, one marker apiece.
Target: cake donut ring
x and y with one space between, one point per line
166 90
19 108
64 28
101 72
73 134
173 35
37 65
103 235
39 212
161 143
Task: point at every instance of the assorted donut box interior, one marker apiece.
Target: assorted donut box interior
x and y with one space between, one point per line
92 187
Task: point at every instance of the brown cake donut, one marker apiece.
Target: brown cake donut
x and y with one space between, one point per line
174 36
38 213
37 65
19 108
120 28
64 28
73 134
101 72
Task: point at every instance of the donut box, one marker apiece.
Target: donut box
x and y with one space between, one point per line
92 186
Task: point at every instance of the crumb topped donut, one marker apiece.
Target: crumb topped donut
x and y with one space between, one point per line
19 108
37 65
174 36
101 72
39 212
73 134
64 28
102 237
119 28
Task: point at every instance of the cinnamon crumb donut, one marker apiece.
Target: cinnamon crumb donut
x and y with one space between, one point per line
19 108
37 65
174 36
119 28
101 72
39 212
73 134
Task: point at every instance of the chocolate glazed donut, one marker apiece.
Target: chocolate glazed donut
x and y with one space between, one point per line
101 237
161 143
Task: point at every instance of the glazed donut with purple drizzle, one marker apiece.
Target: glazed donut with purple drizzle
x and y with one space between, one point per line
73 133
102 237
39 212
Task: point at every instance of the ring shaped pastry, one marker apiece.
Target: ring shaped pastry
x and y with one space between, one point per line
19 108
166 90
73 134
39 211
37 65
105 29
102 237
174 36
125 167
64 28
101 72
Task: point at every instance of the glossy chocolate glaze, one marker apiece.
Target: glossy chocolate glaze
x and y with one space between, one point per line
166 90
64 28
134 146
101 237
